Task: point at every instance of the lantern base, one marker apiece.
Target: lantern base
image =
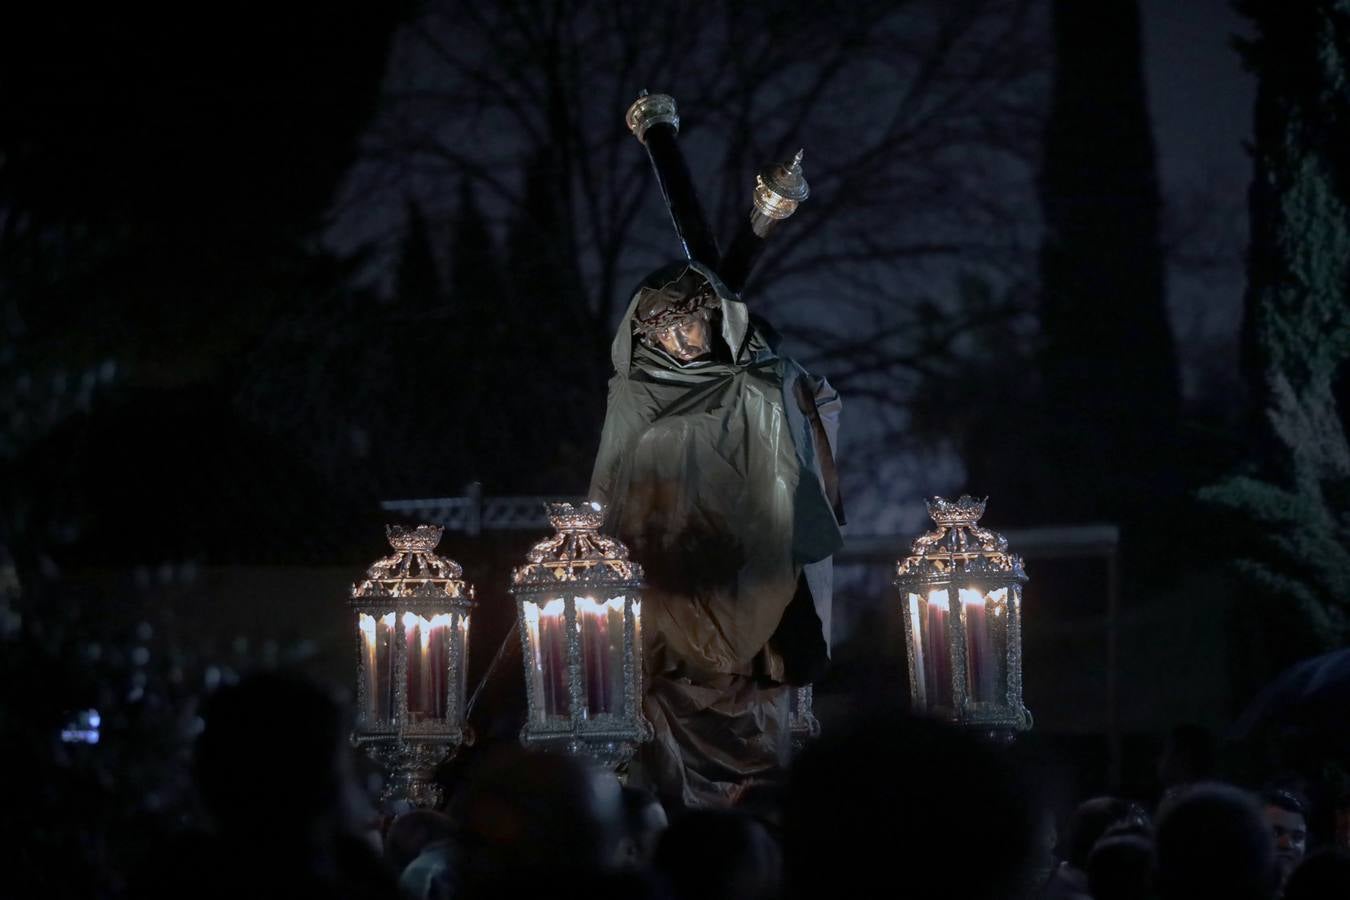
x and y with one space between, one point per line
613 751
412 771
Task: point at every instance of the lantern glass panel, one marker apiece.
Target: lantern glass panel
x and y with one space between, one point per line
600 625
933 639
985 616
378 668
428 647
545 623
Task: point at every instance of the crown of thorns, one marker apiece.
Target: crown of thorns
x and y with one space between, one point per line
663 306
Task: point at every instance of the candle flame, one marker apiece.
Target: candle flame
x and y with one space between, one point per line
593 606
971 597
938 600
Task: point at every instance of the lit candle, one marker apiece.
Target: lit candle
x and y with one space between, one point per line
979 665
439 662
386 682
553 659
369 661
614 648
593 622
413 663
937 653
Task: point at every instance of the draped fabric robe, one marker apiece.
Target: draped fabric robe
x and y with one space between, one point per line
719 476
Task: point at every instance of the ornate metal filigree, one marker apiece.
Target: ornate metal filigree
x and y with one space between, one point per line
579 560
779 190
412 582
958 547
414 570
577 554
965 572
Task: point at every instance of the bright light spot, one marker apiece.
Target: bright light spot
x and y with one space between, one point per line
595 505
971 597
938 600
82 728
367 626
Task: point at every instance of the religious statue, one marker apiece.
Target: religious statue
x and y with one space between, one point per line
716 467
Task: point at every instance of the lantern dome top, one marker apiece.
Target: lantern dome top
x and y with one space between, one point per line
578 553
414 570
958 547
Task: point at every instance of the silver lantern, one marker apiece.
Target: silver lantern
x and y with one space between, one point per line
961 598
412 628
579 599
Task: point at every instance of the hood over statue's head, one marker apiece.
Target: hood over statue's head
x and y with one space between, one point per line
675 314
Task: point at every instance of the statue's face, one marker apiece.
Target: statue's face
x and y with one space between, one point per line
687 339
677 316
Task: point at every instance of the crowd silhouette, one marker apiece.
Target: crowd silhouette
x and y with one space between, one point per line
886 805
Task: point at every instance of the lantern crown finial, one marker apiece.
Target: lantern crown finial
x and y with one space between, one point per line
572 518
422 539
965 510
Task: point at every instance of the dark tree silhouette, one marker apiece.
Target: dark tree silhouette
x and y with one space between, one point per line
919 121
1109 366
417 283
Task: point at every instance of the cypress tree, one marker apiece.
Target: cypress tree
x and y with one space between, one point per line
417 284
1296 330
1108 361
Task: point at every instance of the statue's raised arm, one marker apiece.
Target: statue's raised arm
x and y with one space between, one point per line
654 119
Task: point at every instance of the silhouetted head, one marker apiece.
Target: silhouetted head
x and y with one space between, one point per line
527 811
1287 814
645 822
1213 841
891 794
411 832
1321 876
273 739
1090 821
720 855
1120 867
